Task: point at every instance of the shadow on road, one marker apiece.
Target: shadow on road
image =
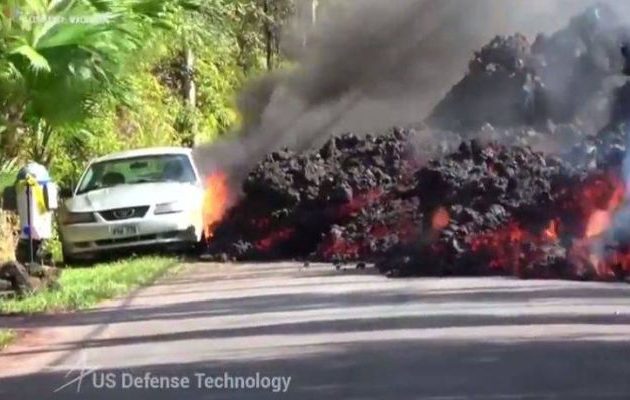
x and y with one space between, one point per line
397 369
348 337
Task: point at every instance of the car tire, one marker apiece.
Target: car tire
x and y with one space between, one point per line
201 246
70 260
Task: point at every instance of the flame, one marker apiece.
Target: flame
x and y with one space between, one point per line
601 220
215 202
273 239
503 246
339 247
598 223
440 219
551 232
602 199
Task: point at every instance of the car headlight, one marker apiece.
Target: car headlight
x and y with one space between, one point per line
169 208
70 218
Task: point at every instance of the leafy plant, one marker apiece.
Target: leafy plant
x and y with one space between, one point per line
58 57
81 78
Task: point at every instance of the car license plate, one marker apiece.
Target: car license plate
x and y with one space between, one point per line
124 230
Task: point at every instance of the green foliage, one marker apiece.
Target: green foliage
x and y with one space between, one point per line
217 77
82 78
59 57
7 175
149 120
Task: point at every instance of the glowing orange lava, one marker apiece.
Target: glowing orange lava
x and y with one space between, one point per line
603 199
598 223
215 202
601 220
440 219
551 232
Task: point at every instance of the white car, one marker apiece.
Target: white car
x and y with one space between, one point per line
139 198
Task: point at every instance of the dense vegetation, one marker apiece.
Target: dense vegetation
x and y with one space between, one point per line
79 78
83 78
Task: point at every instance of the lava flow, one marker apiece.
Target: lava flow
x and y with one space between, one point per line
572 243
466 193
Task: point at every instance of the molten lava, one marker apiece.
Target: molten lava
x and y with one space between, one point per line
600 220
602 200
516 247
215 203
551 232
440 219
276 237
598 223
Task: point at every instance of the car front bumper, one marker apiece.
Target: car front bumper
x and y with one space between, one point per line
102 236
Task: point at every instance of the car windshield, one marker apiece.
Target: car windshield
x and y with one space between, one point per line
138 170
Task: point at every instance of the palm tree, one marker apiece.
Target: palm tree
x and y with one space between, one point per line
58 56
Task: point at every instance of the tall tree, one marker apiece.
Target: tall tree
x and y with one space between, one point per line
268 32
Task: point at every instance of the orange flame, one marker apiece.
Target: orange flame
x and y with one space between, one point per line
215 202
599 222
551 232
600 219
440 219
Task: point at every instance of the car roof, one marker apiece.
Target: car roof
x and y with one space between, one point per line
152 151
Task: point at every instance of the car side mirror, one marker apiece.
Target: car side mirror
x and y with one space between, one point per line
65 192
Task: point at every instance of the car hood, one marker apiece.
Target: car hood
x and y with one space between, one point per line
123 196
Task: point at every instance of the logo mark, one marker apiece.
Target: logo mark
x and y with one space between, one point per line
81 369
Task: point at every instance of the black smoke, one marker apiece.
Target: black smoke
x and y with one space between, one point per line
371 64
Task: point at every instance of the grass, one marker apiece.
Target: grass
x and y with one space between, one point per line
6 337
85 287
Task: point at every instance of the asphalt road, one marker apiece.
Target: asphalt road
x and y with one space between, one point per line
279 331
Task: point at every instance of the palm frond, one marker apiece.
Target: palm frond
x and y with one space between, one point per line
8 165
36 60
64 62
60 6
59 35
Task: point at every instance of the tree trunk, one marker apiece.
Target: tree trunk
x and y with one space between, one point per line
268 35
190 96
12 120
190 88
314 7
308 17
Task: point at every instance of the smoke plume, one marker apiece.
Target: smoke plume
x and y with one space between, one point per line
371 64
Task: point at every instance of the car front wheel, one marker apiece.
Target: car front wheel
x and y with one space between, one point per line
71 260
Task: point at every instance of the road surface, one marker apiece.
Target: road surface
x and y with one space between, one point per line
280 331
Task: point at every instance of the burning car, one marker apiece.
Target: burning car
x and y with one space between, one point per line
134 199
